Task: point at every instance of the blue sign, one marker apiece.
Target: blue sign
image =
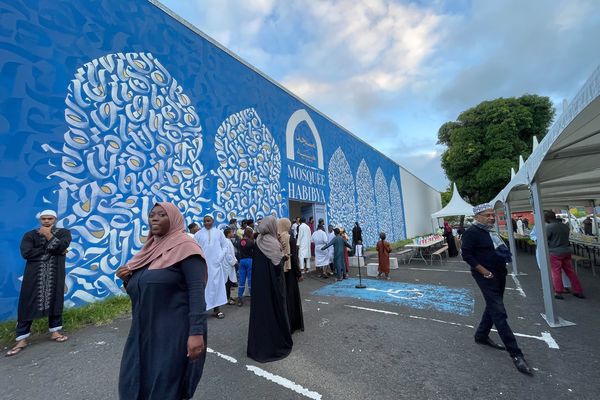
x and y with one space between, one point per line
423 297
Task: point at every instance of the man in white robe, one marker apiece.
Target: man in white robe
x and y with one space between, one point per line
520 230
320 239
214 244
303 241
295 226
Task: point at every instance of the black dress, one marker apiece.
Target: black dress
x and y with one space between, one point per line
452 250
269 337
43 289
292 291
167 307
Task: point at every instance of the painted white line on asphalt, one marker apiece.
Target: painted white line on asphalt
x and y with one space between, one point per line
518 285
440 270
373 309
284 382
550 340
223 356
545 337
322 302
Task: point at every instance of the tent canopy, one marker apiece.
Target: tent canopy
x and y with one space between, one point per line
566 164
456 206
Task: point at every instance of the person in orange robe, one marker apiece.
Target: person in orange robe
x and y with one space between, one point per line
383 253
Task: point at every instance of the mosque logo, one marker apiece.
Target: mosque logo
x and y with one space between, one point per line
304 151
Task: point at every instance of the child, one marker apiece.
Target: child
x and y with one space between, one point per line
383 253
246 252
229 262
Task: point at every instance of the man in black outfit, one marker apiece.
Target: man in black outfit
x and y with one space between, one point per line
356 236
484 250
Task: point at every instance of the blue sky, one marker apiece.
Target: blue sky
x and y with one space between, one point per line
392 72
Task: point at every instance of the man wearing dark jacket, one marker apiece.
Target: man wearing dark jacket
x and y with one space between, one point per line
487 255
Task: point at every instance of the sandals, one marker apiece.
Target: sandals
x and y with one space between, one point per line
60 338
231 302
16 350
220 315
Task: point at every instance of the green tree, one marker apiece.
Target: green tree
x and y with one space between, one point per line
485 142
446 196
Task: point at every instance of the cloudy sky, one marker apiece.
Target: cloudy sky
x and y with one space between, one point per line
392 72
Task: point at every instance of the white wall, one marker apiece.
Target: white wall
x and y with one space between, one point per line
420 201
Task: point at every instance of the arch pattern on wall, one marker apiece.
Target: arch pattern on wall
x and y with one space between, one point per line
248 176
133 139
365 204
341 207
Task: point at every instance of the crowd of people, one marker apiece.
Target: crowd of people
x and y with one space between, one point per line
178 276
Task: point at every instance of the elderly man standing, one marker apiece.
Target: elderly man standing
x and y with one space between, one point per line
484 250
43 289
214 244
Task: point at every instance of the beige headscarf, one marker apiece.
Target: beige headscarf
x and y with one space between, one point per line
267 240
166 251
283 231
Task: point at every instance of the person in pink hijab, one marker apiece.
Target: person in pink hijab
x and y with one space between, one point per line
164 354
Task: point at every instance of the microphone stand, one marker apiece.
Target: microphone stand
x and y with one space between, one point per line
360 284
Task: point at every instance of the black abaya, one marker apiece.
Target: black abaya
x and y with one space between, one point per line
293 300
269 337
452 250
168 306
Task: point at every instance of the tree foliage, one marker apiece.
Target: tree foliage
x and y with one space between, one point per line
485 142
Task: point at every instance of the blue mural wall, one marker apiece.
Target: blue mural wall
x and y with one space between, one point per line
109 106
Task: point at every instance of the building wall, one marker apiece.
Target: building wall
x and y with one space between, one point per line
110 106
420 201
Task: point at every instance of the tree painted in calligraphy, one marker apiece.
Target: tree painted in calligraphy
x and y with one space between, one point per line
397 211
341 207
365 204
248 176
382 198
133 139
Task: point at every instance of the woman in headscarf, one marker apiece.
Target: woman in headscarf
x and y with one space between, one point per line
449 235
164 354
269 337
292 272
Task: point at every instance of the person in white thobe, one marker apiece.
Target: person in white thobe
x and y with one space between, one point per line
229 262
320 239
303 242
295 226
520 227
214 244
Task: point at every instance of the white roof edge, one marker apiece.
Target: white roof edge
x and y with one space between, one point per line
422 181
199 32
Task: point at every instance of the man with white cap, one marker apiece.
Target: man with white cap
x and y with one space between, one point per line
43 289
485 251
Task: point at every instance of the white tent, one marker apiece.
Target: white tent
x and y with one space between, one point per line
562 170
456 206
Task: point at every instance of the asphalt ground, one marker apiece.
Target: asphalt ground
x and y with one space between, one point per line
354 349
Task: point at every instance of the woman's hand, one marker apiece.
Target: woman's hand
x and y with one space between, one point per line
195 346
123 273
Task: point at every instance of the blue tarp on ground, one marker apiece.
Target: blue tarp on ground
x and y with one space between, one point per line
424 297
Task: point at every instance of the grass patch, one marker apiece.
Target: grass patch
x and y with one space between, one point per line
101 312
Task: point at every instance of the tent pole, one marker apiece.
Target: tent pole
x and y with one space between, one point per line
511 238
551 318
